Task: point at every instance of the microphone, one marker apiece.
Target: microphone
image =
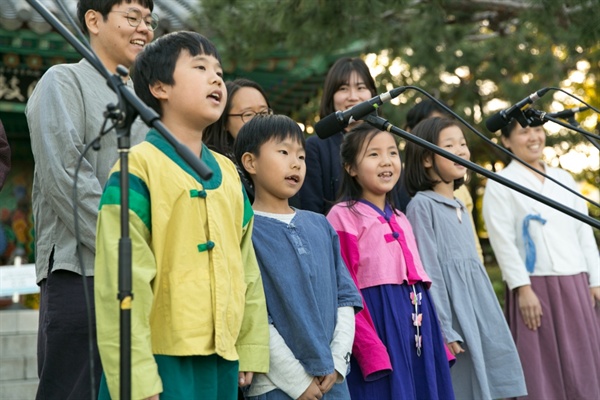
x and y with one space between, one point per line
569 113
337 121
502 118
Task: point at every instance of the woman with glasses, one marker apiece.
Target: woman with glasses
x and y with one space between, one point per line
245 100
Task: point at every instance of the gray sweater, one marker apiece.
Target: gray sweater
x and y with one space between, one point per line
65 113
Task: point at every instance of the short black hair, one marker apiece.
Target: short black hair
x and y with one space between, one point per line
156 63
416 177
104 7
262 129
423 109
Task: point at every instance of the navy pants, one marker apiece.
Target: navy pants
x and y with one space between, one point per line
63 339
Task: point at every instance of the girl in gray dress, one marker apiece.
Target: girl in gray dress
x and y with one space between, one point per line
487 364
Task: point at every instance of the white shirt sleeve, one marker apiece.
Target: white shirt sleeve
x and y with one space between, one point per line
285 371
343 337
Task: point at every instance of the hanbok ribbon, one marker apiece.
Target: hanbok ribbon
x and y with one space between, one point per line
530 254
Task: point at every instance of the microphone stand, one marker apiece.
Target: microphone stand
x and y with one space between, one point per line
523 120
384 125
130 106
536 115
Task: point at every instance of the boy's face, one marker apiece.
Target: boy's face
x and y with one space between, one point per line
115 40
279 169
198 94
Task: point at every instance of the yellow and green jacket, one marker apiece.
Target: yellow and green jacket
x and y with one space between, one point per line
197 289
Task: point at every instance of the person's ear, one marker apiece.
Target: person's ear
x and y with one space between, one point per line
350 170
159 90
505 141
428 161
249 163
92 19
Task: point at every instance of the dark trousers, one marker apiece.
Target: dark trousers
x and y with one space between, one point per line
64 340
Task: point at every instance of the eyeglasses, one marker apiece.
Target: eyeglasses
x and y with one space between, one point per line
248 115
134 18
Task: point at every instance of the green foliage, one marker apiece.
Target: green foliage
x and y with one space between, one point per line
514 45
465 52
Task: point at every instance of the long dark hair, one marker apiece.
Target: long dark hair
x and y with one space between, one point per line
339 75
423 109
354 141
415 174
216 136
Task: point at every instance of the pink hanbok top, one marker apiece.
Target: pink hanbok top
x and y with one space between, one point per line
379 248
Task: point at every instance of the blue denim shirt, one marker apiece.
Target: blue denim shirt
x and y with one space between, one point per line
305 281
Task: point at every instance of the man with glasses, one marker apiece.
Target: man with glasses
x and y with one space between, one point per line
65 113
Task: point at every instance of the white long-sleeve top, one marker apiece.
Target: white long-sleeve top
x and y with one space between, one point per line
285 371
564 245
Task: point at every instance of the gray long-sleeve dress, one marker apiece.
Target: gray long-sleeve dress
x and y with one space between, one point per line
465 301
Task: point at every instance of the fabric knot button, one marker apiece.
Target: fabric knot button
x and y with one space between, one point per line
206 246
198 193
396 235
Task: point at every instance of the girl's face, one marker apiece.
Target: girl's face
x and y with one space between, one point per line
453 141
526 143
245 100
351 93
377 167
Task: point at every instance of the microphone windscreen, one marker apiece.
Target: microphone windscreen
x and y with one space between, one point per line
495 122
328 126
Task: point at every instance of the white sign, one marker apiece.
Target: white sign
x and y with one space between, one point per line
18 279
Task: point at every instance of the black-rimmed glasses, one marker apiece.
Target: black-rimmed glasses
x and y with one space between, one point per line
134 18
248 115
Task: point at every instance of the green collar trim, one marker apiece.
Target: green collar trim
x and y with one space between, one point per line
160 143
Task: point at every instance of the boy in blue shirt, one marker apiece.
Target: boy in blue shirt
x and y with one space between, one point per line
199 310
311 298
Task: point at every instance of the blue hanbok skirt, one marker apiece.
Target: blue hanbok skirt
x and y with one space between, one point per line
417 373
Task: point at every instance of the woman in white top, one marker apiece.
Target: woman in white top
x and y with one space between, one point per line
551 265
